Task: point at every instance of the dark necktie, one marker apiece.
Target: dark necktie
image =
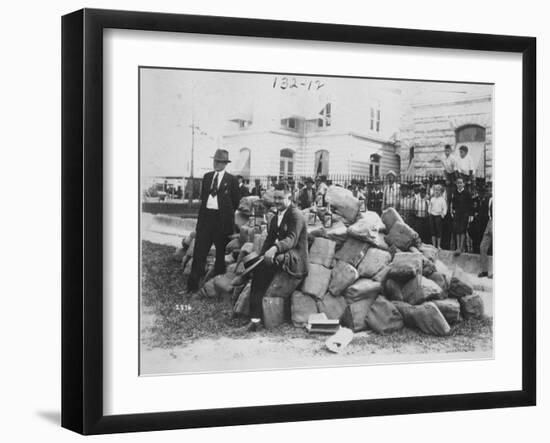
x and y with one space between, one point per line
214 189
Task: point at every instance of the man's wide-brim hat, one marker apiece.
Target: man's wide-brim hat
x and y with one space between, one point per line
250 261
391 173
221 155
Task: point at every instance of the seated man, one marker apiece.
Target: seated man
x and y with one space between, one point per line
285 253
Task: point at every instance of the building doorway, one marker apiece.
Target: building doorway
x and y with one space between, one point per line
286 168
473 136
321 163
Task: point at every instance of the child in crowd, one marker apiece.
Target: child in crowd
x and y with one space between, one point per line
437 210
462 212
421 202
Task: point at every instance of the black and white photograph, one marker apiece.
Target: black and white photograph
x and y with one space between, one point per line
299 220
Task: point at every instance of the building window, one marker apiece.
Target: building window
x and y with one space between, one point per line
326 116
470 133
321 162
375 118
286 168
374 166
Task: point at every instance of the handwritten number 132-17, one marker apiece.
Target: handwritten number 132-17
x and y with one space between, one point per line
292 82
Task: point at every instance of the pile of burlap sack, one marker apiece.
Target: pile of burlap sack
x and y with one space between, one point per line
367 271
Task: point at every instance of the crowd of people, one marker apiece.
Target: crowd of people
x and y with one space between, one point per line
450 211
444 211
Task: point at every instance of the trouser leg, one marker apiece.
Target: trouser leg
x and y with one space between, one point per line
485 245
220 242
203 243
261 279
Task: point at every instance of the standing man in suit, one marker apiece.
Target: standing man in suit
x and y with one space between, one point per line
219 200
285 250
306 197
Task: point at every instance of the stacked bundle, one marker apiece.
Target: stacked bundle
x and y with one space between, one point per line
383 278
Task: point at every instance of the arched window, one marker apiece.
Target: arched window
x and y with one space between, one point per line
321 162
374 166
470 133
473 137
286 163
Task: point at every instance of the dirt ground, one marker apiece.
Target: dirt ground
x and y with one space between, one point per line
180 336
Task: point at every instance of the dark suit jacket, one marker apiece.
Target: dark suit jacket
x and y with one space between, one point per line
228 199
290 238
304 201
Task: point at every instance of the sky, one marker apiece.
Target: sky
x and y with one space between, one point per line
172 100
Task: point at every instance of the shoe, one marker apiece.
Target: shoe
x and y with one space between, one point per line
483 274
456 253
254 325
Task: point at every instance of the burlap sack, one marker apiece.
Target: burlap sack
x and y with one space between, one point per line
428 251
343 203
393 290
420 289
442 281
247 203
382 275
273 311
428 266
343 275
302 306
374 261
317 281
333 307
366 227
450 308
242 305
430 320
352 251
354 315
362 289
471 306
461 284
233 245
282 285
208 290
321 252
223 286
402 236
383 317
405 265
390 217
338 232
405 310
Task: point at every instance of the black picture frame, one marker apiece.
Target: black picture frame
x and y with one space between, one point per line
82 216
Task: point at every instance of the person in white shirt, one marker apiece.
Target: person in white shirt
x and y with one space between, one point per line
465 165
449 168
216 219
437 210
392 192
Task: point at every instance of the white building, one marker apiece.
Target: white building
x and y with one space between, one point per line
315 126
